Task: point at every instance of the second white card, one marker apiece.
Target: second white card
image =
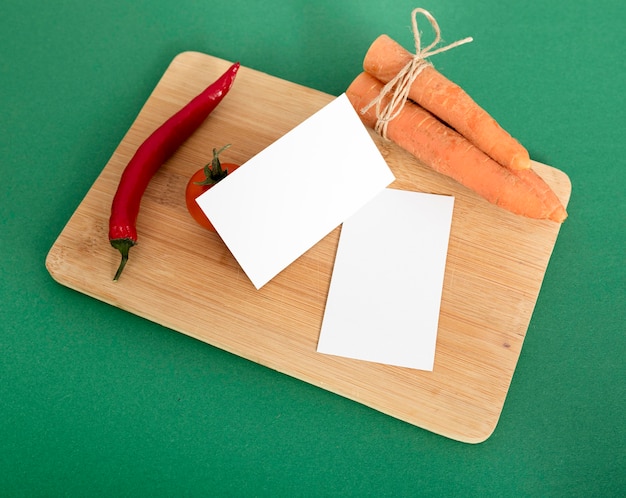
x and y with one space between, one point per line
385 293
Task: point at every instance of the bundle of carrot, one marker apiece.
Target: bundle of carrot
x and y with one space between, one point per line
443 127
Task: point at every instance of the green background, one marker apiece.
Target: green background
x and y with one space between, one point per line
95 401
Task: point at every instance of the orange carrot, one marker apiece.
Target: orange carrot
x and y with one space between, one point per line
448 101
433 143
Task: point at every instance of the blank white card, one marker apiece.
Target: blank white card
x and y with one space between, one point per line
297 190
385 292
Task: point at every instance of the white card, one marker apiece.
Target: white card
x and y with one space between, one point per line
293 193
385 293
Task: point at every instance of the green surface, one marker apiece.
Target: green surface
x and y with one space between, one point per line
97 402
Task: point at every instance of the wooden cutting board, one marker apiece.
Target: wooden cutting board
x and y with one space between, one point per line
184 277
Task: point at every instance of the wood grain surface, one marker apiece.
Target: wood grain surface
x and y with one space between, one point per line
495 267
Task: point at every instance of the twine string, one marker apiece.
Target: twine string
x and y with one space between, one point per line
399 87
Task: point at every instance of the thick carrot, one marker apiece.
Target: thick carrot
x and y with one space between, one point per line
448 101
436 145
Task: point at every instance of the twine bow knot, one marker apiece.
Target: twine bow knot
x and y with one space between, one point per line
401 83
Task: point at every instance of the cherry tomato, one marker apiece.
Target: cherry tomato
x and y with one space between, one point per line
201 181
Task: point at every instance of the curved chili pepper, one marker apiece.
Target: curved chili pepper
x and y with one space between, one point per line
149 157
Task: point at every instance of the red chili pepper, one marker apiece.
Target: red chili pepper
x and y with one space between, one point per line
151 154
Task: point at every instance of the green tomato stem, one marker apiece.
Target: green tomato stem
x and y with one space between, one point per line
213 171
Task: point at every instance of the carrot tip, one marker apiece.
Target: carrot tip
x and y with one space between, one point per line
520 162
559 215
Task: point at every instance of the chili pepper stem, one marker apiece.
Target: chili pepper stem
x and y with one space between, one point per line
123 246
